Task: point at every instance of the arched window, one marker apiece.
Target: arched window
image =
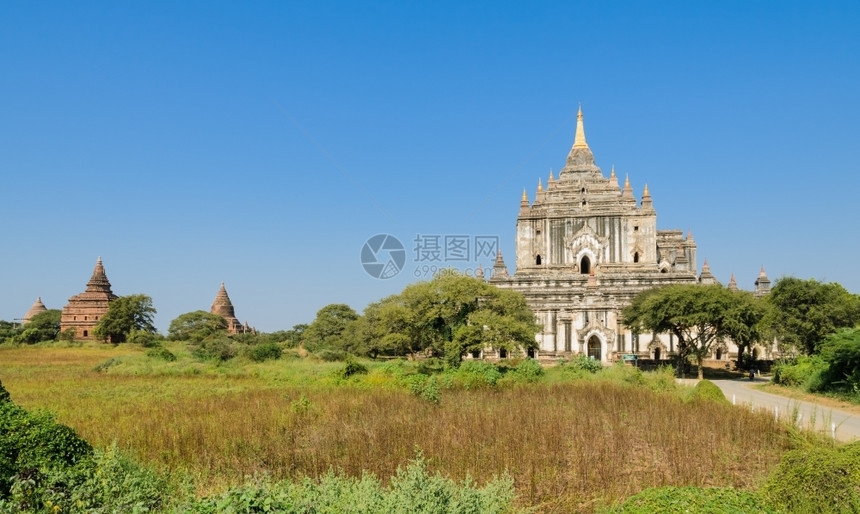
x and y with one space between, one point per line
537 260
663 270
636 257
585 266
503 354
657 353
719 353
86 333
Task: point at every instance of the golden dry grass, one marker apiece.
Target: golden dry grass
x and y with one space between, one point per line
568 446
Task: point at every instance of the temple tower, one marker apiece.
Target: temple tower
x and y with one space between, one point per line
84 310
223 307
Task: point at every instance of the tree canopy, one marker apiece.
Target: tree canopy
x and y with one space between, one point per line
326 331
44 326
450 315
126 313
196 326
699 316
804 312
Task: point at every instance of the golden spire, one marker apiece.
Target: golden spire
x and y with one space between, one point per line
626 181
579 139
540 186
525 196
550 176
646 193
612 173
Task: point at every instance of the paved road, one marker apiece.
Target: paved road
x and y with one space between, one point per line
847 424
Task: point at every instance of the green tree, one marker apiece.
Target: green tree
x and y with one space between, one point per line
698 316
196 326
293 337
126 313
449 315
44 326
327 330
804 312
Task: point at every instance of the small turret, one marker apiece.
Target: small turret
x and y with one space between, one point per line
733 286
646 200
762 284
627 192
500 271
613 180
707 278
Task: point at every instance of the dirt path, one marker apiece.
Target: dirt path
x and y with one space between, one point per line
820 416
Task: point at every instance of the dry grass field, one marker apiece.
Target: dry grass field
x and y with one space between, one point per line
569 444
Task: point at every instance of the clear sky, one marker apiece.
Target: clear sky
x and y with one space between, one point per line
262 143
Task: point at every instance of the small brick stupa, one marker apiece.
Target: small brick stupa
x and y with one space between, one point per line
84 310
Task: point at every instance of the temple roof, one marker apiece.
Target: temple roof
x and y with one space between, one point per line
99 282
38 307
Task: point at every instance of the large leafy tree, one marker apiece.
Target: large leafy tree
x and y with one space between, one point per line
449 315
327 330
804 312
126 313
196 326
699 317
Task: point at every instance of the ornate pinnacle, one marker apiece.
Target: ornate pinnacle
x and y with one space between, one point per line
579 139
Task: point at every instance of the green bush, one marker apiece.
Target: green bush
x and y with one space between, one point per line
431 366
145 339
695 500
331 355
215 349
412 490
106 365
707 391
264 352
816 480
528 370
160 352
581 363
475 373
804 371
350 368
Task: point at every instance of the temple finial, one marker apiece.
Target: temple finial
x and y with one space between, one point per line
612 173
579 139
551 178
540 186
646 193
525 196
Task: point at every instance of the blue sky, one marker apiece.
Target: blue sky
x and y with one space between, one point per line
261 144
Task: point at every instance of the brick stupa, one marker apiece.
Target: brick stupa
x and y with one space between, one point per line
84 310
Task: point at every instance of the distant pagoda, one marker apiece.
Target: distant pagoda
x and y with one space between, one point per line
223 307
37 308
84 310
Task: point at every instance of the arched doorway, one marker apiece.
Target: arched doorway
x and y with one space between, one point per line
594 351
657 353
537 260
585 265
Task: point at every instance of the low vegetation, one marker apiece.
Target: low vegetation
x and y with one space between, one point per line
282 432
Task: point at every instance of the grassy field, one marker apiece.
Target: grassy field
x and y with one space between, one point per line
569 443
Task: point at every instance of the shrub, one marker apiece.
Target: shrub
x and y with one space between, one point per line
693 499
145 339
582 363
34 441
528 370
106 365
160 352
816 480
800 373
264 351
473 373
331 355
431 366
215 349
350 368
707 391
